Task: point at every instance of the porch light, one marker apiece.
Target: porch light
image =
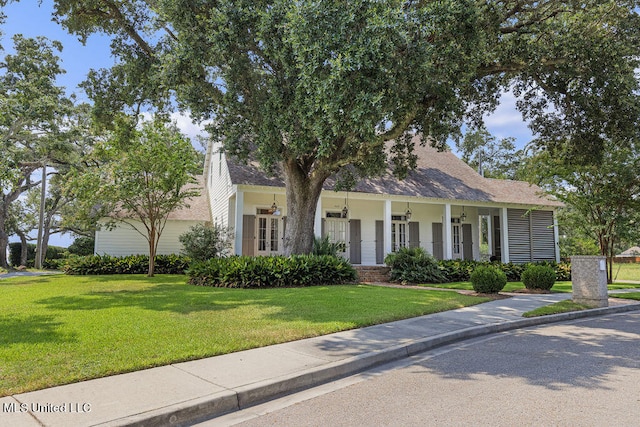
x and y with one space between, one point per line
274 207
463 216
408 212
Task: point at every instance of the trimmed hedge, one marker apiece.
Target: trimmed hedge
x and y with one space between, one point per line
132 264
488 279
53 253
460 271
539 277
272 271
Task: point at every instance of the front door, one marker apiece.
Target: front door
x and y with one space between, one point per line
268 241
456 241
336 228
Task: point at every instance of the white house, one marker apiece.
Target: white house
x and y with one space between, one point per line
440 206
127 238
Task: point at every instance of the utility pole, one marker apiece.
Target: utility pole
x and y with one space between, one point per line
43 197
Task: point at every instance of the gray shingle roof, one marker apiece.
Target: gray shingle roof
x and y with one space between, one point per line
439 175
198 209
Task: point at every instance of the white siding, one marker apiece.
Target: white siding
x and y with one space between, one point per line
124 240
219 187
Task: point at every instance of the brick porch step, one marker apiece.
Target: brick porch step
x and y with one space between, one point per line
372 274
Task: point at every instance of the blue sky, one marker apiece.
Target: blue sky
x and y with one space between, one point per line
31 20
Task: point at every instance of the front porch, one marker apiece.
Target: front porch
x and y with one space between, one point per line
372 226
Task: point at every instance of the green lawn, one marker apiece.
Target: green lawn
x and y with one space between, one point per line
556 308
515 286
509 287
627 295
626 272
61 329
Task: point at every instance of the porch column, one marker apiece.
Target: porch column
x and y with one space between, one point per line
387 227
504 235
446 232
556 235
237 244
317 222
490 226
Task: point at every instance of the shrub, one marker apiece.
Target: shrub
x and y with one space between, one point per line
53 253
82 246
488 279
455 270
414 265
132 264
15 251
203 242
272 271
539 277
324 246
460 271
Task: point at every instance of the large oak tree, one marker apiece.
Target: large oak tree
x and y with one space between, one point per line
320 88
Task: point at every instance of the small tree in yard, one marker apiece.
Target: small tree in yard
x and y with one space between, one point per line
142 177
204 242
603 197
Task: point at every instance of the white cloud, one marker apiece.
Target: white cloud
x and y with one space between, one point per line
506 121
186 125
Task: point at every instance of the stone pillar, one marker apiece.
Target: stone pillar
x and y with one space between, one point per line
589 280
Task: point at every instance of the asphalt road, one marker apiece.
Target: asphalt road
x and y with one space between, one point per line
580 373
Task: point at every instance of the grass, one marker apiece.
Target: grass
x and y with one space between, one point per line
627 295
509 287
516 286
626 272
559 307
61 329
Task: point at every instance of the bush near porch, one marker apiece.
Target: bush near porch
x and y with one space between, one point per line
460 271
272 271
131 264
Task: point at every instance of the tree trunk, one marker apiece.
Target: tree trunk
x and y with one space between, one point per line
46 233
24 249
302 191
4 237
152 252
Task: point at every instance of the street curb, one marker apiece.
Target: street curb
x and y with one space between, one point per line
208 407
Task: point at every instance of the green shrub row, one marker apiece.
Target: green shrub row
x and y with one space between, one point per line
272 271
53 253
132 264
460 271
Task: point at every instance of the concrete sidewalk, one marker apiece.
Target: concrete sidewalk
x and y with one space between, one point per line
184 393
